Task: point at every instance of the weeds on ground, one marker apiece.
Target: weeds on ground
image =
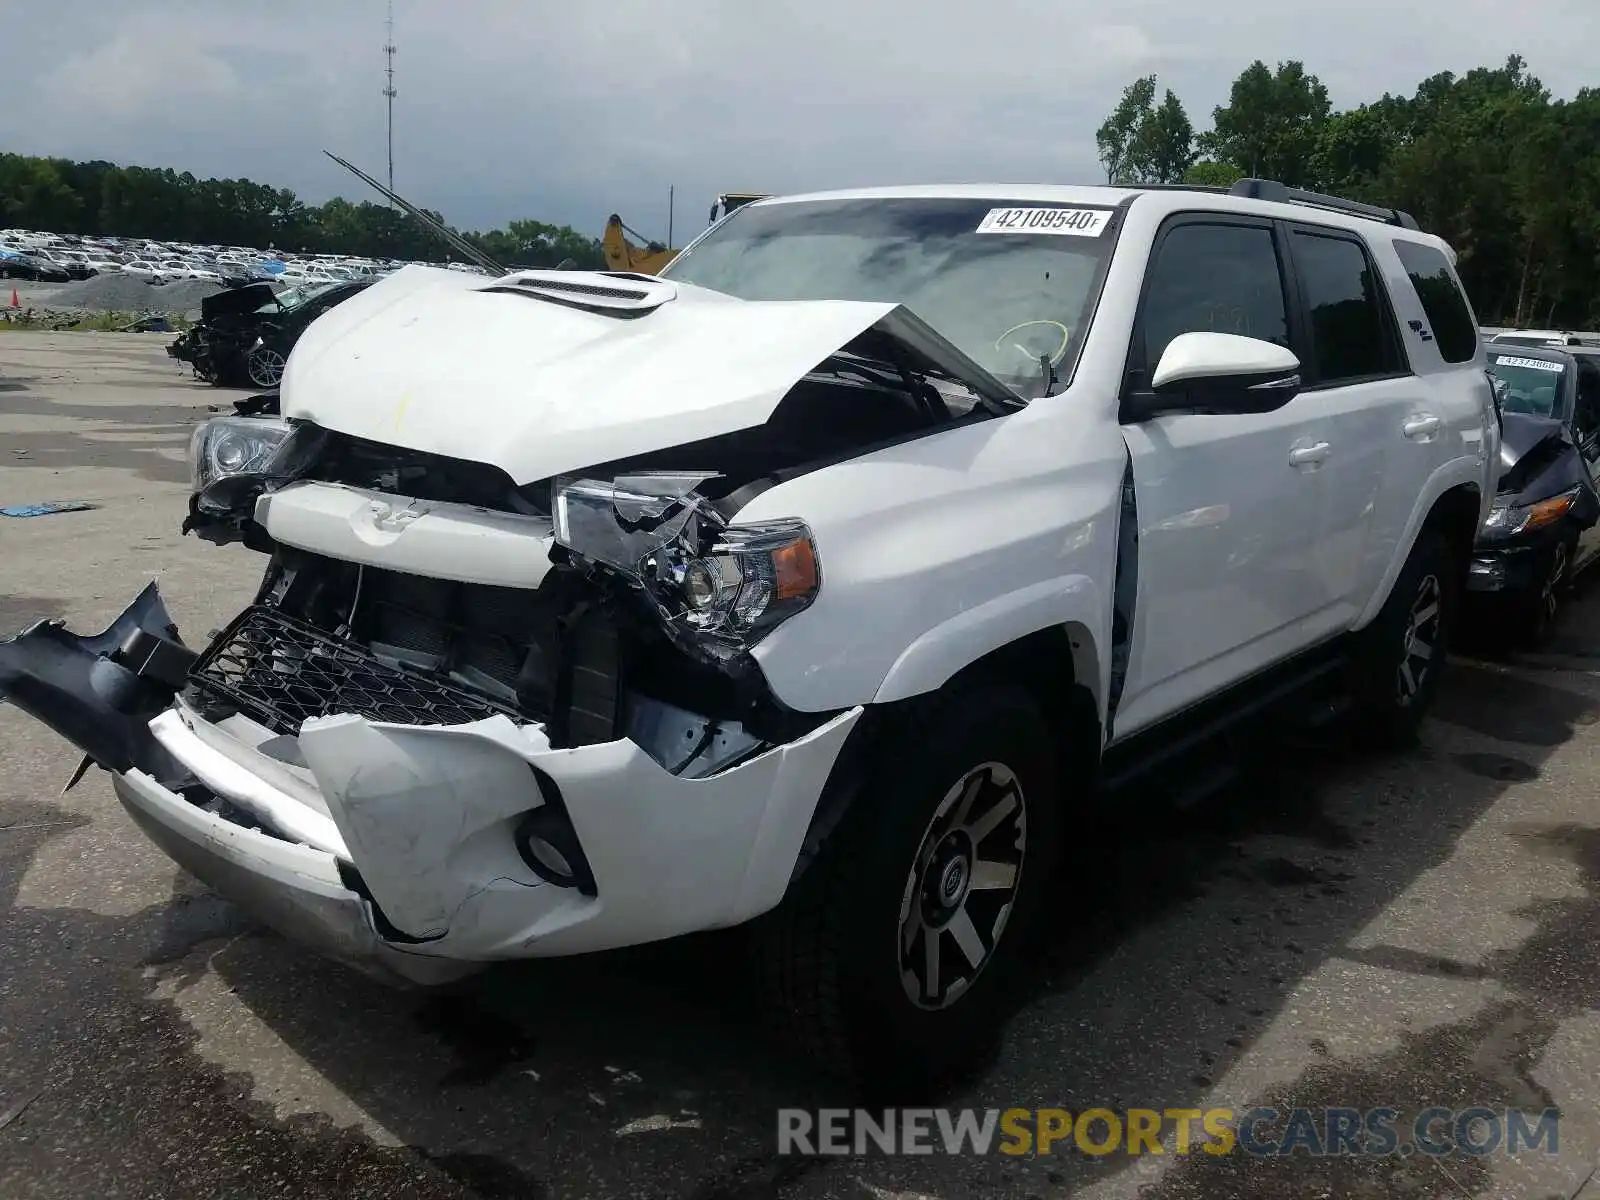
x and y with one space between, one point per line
37 320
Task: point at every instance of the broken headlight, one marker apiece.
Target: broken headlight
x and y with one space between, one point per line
225 446
724 584
1508 520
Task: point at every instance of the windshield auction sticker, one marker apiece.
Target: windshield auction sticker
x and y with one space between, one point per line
1533 364
1071 222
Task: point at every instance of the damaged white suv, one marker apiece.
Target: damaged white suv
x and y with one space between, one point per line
820 580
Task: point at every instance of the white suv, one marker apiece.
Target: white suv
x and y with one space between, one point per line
817 580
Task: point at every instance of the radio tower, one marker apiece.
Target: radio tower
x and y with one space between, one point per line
388 90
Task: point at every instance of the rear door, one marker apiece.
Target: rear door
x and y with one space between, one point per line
1377 413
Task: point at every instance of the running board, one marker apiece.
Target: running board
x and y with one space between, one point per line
1150 750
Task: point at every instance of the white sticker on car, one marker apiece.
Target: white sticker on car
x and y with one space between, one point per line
1071 222
1533 364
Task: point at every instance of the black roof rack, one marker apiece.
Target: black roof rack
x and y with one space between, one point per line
1178 187
1271 189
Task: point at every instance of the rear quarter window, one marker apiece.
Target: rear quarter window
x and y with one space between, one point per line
1446 306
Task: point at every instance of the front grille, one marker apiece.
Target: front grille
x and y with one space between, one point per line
282 671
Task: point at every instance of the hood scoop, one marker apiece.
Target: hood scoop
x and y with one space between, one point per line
595 291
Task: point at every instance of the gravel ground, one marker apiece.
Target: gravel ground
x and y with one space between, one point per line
127 293
1338 930
114 293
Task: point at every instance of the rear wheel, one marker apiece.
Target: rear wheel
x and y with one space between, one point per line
1401 655
890 959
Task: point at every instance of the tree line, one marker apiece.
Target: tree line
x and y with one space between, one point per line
59 196
1489 160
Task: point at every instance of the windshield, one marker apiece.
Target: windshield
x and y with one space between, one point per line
1008 284
1527 385
292 298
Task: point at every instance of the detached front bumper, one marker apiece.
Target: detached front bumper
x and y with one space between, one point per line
396 847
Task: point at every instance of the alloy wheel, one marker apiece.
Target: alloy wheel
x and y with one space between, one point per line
962 886
266 367
1421 644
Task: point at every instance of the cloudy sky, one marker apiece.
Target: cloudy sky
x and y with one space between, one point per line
567 111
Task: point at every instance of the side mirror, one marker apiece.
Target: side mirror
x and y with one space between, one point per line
1219 373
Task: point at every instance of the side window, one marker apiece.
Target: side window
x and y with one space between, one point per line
1586 420
1446 308
1213 279
1352 336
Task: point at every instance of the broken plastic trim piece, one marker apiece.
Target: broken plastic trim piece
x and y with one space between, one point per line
717 587
100 691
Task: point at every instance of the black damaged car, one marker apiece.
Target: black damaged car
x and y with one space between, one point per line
1543 527
245 334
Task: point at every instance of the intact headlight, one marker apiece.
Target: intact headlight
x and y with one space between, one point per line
1508 520
725 585
225 446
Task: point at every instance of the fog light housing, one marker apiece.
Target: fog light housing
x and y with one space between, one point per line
548 844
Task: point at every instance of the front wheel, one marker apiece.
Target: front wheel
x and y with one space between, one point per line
265 366
1540 609
889 961
1401 655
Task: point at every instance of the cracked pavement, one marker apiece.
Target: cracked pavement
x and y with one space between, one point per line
1336 929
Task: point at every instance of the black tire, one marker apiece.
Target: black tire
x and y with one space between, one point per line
1401 655
1537 612
827 960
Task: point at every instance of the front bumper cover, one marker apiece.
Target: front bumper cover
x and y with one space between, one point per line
1516 565
393 847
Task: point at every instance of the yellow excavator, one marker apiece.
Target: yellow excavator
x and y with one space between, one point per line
621 254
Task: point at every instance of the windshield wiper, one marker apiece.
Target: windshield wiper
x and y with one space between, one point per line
1050 376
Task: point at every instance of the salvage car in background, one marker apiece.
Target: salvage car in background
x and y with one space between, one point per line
1543 527
244 335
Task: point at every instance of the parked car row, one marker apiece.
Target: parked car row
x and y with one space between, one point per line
60 258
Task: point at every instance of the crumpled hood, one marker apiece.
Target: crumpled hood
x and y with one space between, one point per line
236 300
543 373
1521 432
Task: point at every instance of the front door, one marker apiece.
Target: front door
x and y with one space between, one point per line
1228 505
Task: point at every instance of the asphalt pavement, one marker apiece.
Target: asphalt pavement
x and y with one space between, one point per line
1339 930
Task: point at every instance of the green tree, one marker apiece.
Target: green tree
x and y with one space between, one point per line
1270 126
59 196
1118 136
1166 142
1143 142
536 244
1208 172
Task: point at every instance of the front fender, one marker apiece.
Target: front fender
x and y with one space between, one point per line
938 552
1073 602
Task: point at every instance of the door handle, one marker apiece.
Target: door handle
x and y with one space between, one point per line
1420 426
1308 456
